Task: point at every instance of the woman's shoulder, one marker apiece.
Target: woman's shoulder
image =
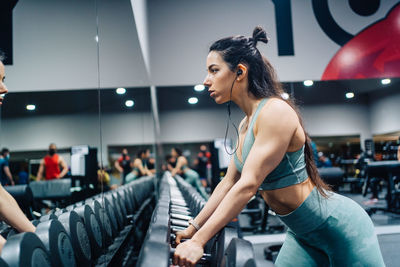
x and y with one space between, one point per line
277 111
276 108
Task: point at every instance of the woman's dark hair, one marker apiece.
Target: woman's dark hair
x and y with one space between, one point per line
263 82
178 151
140 153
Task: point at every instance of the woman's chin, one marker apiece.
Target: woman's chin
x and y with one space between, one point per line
220 101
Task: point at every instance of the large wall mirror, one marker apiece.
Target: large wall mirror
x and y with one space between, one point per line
52 77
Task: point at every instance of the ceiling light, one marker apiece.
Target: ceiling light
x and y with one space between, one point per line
129 103
285 96
385 81
308 82
30 107
349 95
121 91
199 87
193 100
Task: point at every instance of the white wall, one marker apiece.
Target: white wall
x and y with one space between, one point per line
196 125
337 120
55 47
206 125
82 129
385 114
181 32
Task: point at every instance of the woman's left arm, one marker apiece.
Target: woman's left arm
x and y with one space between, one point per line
276 126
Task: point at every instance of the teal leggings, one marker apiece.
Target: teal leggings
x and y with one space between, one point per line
329 232
193 178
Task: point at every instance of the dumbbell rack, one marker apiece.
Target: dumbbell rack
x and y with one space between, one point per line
113 224
177 203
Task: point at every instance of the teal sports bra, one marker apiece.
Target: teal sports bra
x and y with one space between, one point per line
291 170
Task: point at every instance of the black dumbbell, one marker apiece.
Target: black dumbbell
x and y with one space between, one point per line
271 251
106 205
205 260
119 208
25 250
92 227
57 242
238 252
115 210
76 230
103 219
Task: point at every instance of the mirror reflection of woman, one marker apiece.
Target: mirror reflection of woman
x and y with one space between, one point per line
139 166
182 168
10 212
274 157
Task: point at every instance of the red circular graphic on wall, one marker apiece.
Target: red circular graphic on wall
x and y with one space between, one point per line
373 53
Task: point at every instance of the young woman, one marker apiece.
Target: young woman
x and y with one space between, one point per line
9 209
274 156
183 169
139 166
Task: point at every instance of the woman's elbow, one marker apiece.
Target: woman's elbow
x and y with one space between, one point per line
248 189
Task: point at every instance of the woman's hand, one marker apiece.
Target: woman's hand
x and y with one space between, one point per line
185 234
188 253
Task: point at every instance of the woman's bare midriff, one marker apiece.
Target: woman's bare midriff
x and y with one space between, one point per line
285 200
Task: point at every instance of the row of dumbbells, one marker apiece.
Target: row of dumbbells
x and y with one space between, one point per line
176 205
83 234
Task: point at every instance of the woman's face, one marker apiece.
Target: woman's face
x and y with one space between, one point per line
3 87
219 78
173 153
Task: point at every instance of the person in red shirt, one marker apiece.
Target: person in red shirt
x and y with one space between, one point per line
123 165
51 163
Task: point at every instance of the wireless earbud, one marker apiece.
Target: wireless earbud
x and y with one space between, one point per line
239 72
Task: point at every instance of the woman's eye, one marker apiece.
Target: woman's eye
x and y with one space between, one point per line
214 70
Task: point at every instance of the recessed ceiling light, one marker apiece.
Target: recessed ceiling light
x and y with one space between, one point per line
30 107
285 96
129 103
193 100
308 82
349 95
199 87
385 81
121 91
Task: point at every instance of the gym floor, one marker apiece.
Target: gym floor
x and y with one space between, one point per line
387 227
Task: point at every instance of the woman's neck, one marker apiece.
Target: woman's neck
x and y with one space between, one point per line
247 102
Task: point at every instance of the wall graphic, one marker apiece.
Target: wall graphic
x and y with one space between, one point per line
372 53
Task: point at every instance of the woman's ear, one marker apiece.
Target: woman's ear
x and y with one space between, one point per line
242 71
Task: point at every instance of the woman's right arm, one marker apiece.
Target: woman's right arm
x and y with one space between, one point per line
231 177
11 213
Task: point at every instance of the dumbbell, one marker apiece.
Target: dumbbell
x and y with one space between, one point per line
106 205
55 239
116 209
152 249
205 260
271 251
238 252
103 220
25 250
120 207
76 230
57 242
92 227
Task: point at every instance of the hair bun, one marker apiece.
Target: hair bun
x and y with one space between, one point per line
259 34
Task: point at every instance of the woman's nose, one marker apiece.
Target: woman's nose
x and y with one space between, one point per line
207 82
3 88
